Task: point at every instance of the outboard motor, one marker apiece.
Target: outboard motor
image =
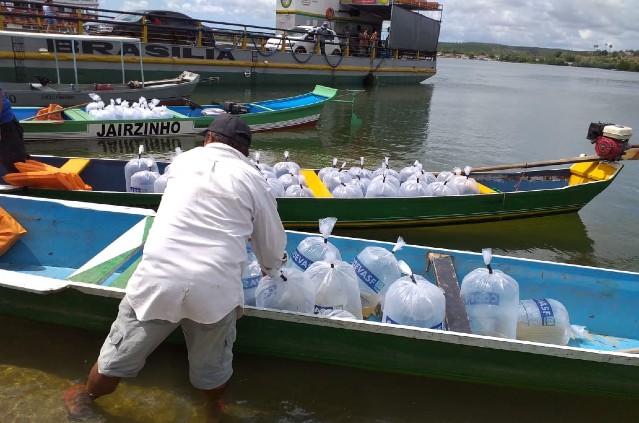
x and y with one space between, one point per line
235 108
610 140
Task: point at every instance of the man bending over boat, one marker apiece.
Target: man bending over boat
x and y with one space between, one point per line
191 267
12 147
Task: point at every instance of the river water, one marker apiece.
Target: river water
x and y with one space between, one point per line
475 113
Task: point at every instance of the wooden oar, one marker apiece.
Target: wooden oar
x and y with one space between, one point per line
630 154
57 111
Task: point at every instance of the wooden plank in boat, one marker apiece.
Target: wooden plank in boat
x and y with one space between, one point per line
446 277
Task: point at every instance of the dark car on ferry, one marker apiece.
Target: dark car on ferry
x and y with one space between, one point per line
163 26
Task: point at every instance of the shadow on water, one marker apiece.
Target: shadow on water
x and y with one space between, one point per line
560 238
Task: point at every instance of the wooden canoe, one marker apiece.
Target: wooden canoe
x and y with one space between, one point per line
169 90
515 195
49 276
262 116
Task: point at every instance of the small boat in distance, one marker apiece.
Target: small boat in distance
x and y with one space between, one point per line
47 275
190 119
46 92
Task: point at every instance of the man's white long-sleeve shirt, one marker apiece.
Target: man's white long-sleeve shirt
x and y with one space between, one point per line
193 259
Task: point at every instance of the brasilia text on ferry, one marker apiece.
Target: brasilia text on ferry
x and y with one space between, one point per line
132 49
132 129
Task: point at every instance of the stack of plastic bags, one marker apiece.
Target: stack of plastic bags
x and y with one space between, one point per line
140 173
119 109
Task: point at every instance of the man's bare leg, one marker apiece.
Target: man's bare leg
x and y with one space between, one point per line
214 404
79 398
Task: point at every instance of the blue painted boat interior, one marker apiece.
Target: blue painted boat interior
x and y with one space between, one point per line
604 301
253 107
25 112
60 238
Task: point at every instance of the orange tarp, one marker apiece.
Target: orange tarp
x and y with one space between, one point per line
41 175
49 113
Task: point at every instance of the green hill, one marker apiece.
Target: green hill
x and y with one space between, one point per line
597 58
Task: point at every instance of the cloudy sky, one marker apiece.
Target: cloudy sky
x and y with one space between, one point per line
568 24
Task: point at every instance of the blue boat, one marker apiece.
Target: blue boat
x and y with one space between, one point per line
48 275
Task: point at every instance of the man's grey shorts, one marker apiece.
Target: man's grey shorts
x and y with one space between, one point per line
130 342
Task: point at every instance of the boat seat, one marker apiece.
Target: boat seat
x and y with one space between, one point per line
75 165
590 171
177 114
483 189
103 268
78 114
315 184
446 277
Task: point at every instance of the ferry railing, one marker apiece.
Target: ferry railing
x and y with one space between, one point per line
30 17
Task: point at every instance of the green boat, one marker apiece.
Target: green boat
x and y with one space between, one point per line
507 195
47 275
162 121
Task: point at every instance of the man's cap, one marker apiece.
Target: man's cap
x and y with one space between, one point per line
325 24
231 126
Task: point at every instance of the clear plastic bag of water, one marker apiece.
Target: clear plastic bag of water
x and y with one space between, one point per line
159 186
138 164
144 181
463 182
251 277
277 189
491 298
415 188
288 179
414 301
280 168
290 291
315 248
543 320
350 189
385 169
382 187
336 286
443 189
376 268
298 191
359 171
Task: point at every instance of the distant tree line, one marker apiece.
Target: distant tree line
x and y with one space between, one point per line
627 60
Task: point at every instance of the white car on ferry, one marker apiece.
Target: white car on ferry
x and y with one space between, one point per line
301 39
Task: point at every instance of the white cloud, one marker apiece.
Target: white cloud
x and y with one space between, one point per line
569 24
